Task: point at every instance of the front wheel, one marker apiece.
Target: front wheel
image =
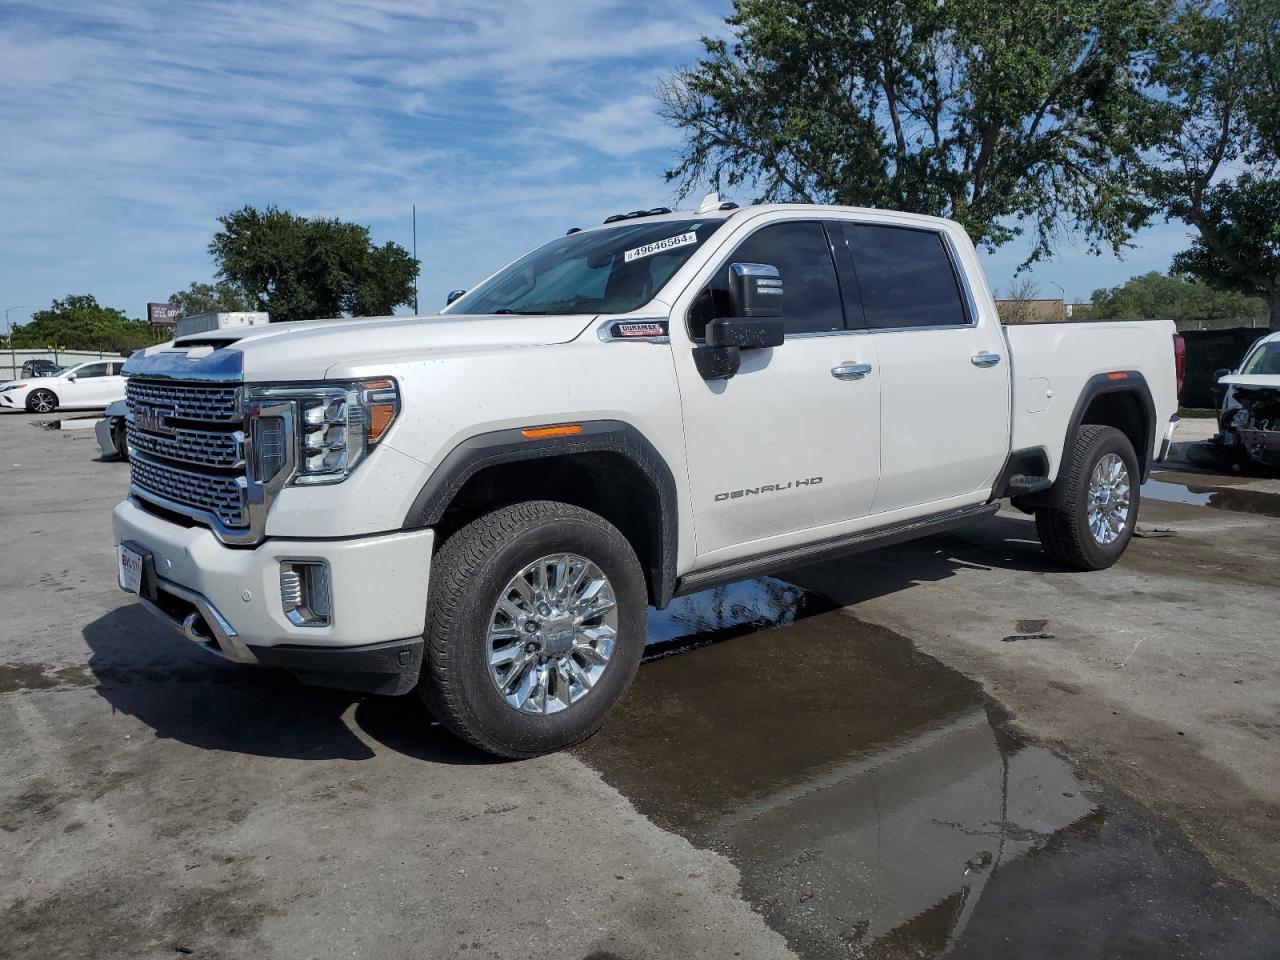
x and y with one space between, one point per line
535 626
42 401
1094 522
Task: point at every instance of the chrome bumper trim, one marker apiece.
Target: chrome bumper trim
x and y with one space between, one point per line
224 640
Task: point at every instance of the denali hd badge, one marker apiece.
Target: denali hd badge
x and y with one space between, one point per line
768 488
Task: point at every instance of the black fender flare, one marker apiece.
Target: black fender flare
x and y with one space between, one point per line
1103 384
510 446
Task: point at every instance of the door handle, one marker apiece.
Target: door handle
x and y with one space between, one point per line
985 359
851 371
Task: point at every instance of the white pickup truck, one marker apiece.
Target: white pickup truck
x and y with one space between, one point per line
480 505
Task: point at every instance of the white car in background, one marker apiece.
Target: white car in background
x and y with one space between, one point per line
1249 416
91 385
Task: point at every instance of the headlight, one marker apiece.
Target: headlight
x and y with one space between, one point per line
11 386
337 424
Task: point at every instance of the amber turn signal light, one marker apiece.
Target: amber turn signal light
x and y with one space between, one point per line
542 433
383 404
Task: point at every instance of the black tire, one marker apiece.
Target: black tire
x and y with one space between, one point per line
469 573
119 437
1064 530
42 398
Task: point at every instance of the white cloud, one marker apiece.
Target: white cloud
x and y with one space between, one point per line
130 127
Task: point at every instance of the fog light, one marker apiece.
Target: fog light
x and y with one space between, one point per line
304 592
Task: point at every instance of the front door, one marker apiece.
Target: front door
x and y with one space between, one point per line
90 387
790 445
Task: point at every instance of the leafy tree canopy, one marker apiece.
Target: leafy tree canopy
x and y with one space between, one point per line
220 297
79 322
999 115
1216 82
1240 251
1174 297
301 268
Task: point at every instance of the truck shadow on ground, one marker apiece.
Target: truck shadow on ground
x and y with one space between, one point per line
186 694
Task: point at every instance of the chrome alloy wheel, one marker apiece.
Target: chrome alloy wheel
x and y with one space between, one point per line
552 633
1108 499
42 401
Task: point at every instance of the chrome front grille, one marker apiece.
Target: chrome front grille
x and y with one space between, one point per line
187 449
209 403
220 495
209 448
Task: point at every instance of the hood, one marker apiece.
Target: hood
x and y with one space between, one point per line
306 351
1256 381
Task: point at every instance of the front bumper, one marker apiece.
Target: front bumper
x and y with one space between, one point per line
1262 446
7 401
227 599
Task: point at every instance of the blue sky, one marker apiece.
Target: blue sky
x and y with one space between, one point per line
129 126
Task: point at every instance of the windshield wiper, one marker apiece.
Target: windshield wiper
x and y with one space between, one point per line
522 313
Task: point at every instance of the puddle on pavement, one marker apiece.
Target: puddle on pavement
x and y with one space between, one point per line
1218 498
878 804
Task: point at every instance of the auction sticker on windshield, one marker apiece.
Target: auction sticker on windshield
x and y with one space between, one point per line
649 249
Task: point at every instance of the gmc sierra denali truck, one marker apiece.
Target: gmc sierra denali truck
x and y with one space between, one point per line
481 505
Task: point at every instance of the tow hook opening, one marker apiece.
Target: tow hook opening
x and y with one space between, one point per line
197 630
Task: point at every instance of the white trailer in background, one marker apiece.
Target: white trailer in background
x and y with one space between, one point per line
204 322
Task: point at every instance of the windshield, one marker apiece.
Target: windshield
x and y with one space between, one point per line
614 270
1265 360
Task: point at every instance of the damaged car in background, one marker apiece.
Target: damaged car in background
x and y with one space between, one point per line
1249 421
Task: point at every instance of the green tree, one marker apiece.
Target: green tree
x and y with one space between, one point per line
1217 81
79 322
301 268
1238 248
1022 115
211 298
1179 298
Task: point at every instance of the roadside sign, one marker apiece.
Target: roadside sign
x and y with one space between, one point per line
162 314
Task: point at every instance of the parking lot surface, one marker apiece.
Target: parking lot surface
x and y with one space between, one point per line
947 748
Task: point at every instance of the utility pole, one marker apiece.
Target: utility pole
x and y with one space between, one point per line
8 332
1066 311
416 267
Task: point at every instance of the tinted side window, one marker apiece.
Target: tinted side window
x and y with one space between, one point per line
906 277
811 298
92 371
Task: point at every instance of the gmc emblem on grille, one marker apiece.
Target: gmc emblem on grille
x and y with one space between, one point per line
155 419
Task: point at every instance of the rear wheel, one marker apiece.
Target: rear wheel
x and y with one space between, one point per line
1094 523
42 401
535 626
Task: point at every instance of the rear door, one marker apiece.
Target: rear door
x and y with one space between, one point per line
944 387
115 382
789 444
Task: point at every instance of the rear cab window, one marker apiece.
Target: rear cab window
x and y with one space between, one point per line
906 277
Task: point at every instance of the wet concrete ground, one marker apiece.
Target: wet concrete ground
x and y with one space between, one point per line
946 749
880 804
